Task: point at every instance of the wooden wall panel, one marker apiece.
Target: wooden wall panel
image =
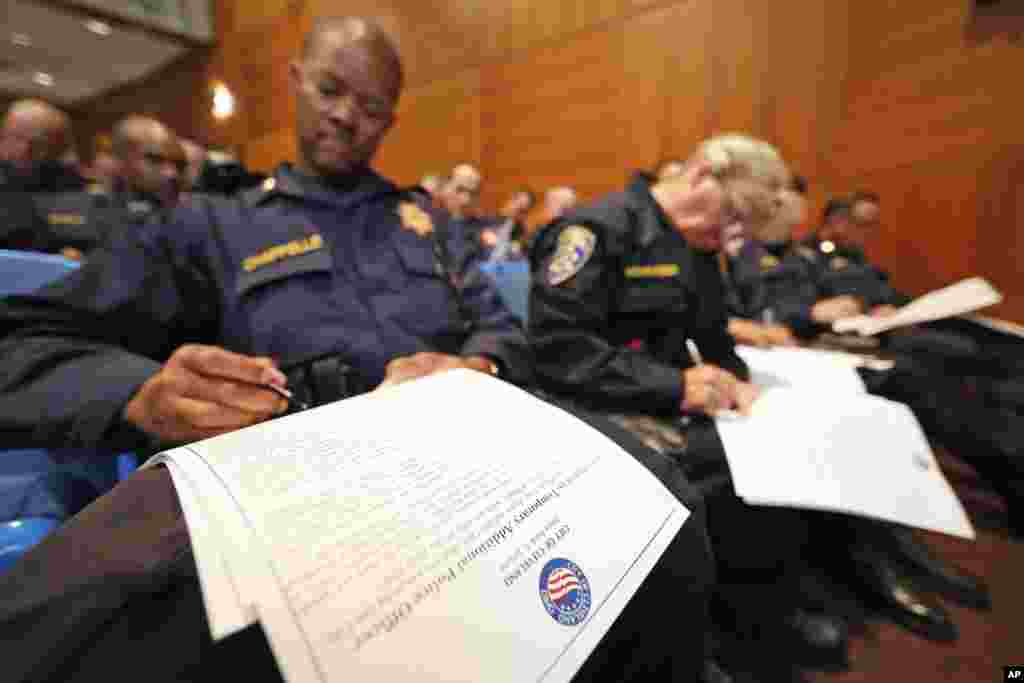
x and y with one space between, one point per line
517 24
564 114
684 33
929 235
249 14
265 96
438 126
904 98
1000 233
739 65
927 119
265 152
436 39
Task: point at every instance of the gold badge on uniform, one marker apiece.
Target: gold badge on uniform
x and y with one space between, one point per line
661 270
416 219
575 247
282 251
838 263
769 261
65 219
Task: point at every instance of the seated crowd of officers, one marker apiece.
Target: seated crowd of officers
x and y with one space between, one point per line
201 282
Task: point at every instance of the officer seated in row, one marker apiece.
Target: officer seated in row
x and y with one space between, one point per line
147 178
37 155
499 236
808 286
618 289
327 278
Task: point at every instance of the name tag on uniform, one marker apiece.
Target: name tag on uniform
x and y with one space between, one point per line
768 261
300 257
65 219
661 270
283 251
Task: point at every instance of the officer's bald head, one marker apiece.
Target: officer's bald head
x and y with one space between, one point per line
346 82
35 131
134 132
330 33
150 160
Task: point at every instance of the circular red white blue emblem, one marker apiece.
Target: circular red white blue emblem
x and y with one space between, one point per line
565 592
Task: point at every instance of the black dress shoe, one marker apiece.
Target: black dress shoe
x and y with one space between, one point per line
714 673
931 572
768 621
898 598
815 639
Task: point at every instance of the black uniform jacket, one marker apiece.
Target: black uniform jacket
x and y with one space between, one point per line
613 334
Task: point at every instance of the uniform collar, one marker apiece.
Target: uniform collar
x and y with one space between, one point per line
653 221
286 182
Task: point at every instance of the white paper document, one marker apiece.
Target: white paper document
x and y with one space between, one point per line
965 296
857 454
810 369
398 536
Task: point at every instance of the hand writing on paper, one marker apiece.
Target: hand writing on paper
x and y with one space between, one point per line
710 390
202 391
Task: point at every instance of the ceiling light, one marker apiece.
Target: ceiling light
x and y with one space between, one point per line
21 39
223 102
100 28
44 79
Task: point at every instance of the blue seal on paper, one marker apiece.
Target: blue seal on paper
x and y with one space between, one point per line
565 592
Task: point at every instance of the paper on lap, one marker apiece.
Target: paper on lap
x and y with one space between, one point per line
393 537
852 453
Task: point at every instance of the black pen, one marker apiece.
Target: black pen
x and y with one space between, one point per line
293 403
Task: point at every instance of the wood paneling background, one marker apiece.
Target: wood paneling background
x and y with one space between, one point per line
908 99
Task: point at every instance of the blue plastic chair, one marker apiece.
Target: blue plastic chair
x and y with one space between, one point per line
22 272
18 535
512 278
29 476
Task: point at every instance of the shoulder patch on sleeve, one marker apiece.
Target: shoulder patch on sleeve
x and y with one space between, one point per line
576 245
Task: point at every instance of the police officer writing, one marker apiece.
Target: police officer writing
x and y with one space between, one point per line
176 329
620 285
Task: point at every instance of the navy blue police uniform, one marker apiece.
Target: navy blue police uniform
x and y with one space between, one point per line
85 220
844 270
775 281
302 273
20 224
932 361
292 270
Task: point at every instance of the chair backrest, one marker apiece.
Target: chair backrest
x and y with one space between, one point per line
22 272
512 278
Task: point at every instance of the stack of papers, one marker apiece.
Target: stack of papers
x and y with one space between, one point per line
965 296
852 453
816 439
394 537
808 369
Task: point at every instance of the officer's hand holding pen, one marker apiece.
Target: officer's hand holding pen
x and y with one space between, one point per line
709 389
202 391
